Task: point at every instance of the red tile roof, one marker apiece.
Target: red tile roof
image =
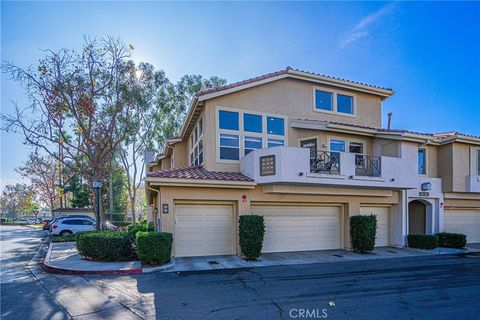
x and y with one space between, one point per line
433 135
274 74
198 172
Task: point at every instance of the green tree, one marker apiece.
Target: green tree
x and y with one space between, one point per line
17 199
81 196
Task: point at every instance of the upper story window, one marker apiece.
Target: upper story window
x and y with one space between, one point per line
196 144
228 120
332 101
275 126
323 100
252 123
344 104
478 162
239 133
422 161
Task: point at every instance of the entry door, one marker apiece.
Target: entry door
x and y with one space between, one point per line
312 145
203 230
417 212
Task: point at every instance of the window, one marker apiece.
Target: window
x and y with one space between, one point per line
196 145
275 126
229 147
337 145
312 145
275 143
478 162
333 101
344 104
73 222
240 133
422 161
323 100
355 147
252 143
228 120
252 123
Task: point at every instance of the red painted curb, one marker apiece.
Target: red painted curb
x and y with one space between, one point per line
51 269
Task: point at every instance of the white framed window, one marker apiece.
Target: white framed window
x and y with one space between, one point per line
333 101
478 162
196 144
422 161
240 132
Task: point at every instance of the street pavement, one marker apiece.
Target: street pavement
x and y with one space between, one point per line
429 287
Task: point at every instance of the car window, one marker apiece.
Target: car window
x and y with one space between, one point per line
87 222
73 222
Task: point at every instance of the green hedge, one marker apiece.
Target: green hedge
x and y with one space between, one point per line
141 226
154 247
105 245
451 240
363 230
422 241
251 233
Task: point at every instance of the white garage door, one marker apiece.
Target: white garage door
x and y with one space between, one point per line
203 230
464 221
293 228
382 223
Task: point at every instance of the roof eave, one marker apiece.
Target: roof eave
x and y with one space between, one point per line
176 182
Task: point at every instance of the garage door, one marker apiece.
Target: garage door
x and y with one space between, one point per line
382 223
464 221
293 228
203 230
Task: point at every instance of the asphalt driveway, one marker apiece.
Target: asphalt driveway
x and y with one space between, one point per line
426 287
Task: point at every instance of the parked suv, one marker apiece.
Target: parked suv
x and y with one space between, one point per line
65 226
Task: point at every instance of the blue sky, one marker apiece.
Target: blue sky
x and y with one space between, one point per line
428 52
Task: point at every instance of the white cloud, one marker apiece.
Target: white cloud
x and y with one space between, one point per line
363 28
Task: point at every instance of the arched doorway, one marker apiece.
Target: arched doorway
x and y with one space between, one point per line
417 214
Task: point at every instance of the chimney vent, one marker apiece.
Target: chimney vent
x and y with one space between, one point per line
389 126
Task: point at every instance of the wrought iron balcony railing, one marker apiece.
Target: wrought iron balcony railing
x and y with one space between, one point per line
325 162
368 165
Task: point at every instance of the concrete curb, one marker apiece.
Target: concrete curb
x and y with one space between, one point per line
47 266
162 267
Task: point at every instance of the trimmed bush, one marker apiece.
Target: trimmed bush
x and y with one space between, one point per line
141 226
251 233
105 245
363 230
451 240
422 241
154 247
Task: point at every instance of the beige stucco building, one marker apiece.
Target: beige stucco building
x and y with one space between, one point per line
307 151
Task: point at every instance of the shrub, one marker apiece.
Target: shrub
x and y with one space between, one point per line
154 247
141 226
363 230
104 245
422 241
65 238
251 233
451 240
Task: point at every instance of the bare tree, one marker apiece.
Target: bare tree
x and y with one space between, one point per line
76 102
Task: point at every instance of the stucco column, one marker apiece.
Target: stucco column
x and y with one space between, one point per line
400 219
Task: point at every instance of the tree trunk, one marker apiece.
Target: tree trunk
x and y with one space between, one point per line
132 208
110 190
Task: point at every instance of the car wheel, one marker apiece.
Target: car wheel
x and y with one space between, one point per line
64 233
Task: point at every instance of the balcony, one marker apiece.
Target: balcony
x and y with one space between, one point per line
330 168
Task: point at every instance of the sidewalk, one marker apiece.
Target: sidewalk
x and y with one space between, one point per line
63 257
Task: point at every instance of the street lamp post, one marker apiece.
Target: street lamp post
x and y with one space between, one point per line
97 185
